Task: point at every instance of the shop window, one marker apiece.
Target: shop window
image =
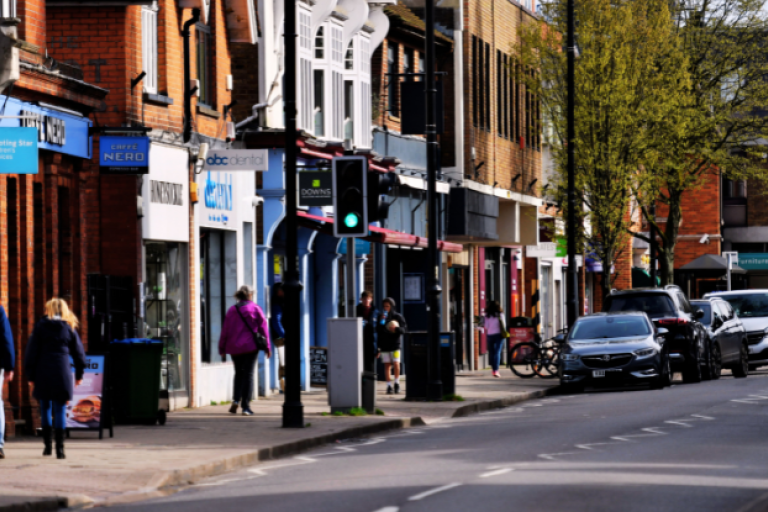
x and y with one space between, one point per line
149 47
218 283
205 65
166 315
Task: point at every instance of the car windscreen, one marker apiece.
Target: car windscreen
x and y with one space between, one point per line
706 307
749 305
654 305
608 327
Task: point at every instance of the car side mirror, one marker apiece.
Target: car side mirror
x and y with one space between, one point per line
699 314
559 338
662 331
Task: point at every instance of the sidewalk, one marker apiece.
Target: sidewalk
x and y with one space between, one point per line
196 443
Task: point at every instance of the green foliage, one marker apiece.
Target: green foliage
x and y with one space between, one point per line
357 411
453 398
338 413
379 412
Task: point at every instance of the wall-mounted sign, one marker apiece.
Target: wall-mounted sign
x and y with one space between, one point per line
315 188
165 195
236 160
219 193
18 151
124 155
62 132
752 261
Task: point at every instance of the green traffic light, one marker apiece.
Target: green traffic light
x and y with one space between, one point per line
352 220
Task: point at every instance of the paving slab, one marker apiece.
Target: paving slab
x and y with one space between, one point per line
197 443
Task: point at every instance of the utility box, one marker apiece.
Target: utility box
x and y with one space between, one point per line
345 363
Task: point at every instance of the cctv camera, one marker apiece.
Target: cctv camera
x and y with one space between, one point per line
203 152
704 239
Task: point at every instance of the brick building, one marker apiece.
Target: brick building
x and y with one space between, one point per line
44 217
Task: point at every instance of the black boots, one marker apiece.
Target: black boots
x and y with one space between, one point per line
47 441
60 444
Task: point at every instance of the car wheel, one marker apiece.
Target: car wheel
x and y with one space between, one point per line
572 389
706 371
716 362
665 379
753 367
741 369
692 369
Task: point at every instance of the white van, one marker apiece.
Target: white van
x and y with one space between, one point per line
751 306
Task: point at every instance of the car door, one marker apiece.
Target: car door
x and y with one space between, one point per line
720 331
735 329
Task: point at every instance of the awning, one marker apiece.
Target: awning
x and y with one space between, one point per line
379 235
711 262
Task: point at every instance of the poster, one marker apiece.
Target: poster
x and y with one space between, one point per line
413 287
84 410
318 357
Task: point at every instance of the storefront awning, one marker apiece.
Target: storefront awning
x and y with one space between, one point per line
376 234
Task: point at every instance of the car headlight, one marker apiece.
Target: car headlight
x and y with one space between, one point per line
569 357
765 333
644 353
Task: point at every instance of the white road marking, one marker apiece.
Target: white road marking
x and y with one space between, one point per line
388 509
433 491
706 418
496 473
676 422
553 456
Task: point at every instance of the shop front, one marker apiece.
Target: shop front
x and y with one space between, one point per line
225 224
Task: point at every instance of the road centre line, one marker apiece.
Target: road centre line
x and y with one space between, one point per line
388 509
496 472
431 492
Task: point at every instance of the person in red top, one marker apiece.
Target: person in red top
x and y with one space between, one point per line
243 320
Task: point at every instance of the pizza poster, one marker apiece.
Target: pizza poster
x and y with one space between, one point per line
84 410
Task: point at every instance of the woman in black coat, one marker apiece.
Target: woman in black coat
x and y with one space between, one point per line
47 366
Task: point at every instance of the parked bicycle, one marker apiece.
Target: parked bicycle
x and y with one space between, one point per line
530 358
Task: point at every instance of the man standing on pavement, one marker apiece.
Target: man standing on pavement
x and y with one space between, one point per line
390 326
367 312
7 363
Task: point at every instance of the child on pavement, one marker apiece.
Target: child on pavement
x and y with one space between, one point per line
390 326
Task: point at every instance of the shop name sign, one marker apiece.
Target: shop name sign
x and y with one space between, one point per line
124 155
162 192
49 129
753 261
315 188
236 160
218 196
18 151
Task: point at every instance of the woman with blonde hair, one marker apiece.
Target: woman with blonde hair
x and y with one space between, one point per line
47 367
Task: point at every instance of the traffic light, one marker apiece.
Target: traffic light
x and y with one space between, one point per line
349 196
379 184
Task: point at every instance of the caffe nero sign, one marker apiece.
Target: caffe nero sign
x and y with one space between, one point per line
124 155
315 188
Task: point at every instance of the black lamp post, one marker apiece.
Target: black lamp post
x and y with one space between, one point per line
573 281
293 410
435 384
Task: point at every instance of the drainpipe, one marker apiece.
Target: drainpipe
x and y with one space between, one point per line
187 79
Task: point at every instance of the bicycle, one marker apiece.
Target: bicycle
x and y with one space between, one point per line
531 358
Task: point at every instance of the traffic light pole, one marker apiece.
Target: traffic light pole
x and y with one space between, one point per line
573 280
350 278
293 410
435 384
653 245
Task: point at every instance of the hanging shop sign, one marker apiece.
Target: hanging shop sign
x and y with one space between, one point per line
55 130
123 155
18 151
236 160
315 188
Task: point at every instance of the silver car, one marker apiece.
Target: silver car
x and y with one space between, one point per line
751 308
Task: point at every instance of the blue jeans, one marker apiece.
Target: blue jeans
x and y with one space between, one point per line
59 411
495 343
2 412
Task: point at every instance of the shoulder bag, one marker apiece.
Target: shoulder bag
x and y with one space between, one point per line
258 338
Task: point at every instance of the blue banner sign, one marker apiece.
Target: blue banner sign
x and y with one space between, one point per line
56 130
124 155
18 151
753 261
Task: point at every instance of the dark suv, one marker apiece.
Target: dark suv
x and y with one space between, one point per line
668 307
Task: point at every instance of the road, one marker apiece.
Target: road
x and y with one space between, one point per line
690 447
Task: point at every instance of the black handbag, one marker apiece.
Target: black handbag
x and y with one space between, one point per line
258 338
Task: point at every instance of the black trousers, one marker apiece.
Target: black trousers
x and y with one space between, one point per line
245 364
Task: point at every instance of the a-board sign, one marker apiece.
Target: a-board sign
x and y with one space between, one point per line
318 360
84 411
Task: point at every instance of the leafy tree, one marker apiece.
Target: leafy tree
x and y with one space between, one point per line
628 77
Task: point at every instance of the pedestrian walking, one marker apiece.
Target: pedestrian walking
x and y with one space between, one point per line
278 332
244 324
390 326
496 330
367 311
47 366
7 364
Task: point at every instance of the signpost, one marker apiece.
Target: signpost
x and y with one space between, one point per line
731 259
18 151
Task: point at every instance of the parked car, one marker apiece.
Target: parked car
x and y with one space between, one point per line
668 307
751 306
614 348
727 338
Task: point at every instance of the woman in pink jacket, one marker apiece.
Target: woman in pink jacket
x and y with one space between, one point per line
243 322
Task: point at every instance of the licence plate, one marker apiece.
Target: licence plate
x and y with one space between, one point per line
598 373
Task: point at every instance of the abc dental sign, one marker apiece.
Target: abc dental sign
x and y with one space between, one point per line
236 160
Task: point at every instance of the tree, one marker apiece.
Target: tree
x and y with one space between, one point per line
723 114
628 77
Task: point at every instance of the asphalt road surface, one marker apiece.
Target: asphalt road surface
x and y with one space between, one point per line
697 447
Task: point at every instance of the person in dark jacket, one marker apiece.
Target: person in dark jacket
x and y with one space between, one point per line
367 311
243 321
390 326
47 367
278 332
7 364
